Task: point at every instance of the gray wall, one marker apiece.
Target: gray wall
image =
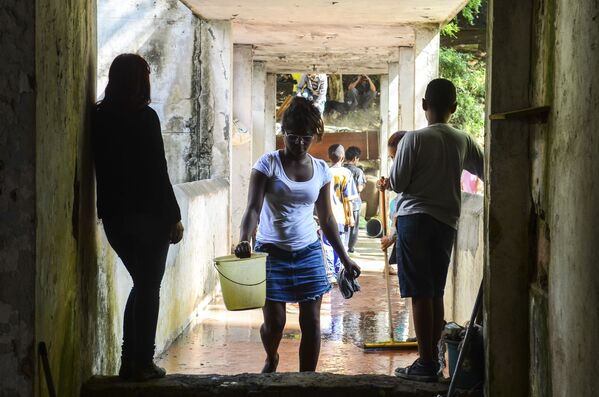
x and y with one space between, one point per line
571 213
17 196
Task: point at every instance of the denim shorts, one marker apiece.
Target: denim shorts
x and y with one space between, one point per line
295 276
423 250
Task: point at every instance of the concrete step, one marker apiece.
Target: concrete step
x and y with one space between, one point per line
281 384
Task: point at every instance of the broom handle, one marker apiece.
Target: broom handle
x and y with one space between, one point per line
386 268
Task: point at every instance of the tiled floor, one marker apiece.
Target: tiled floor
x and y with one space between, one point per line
229 342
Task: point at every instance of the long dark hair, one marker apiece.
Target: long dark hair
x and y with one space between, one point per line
302 116
128 83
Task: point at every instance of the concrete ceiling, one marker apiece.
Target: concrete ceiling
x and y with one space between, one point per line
343 36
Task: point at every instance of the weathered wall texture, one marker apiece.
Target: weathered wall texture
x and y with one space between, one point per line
466 269
190 279
215 98
572 209
17 196
164 33
65 81
507 201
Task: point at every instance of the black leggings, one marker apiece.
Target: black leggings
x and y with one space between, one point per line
141 241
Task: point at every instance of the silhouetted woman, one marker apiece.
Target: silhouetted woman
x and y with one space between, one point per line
285 185
135 202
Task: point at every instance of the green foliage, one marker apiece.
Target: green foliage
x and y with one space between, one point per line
468 74
469 12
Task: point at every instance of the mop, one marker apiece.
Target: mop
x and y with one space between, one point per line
391 343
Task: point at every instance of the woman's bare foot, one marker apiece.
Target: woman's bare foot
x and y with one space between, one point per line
270 366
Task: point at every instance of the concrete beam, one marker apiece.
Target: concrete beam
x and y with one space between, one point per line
258 110
426 67
308 36
347 13
242 134
278 66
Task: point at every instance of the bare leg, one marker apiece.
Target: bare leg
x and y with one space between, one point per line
438 323
309 319
271 333
424 323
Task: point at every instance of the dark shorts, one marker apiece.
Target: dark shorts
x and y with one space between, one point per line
423 247
296 276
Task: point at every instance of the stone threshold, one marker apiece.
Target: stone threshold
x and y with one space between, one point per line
275 385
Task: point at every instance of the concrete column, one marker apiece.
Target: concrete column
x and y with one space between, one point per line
258 110
384 132
407 101
393 97
270 110
508 246
215 99
426 67
242 135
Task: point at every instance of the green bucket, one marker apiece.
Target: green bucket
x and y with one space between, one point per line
242 280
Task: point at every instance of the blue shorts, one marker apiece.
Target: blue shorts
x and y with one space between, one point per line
423 249
296 276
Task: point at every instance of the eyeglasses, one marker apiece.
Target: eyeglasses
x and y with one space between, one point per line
295 139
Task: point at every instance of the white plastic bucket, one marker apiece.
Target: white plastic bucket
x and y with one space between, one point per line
242 280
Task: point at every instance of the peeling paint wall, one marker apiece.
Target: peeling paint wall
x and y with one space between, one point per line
164 33
17 197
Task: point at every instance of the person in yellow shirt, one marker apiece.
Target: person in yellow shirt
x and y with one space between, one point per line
343 192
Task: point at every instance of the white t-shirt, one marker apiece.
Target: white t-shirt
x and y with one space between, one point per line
287 218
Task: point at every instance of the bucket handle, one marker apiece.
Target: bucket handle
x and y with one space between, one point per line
235 282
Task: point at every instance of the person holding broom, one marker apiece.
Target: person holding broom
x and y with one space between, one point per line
426 172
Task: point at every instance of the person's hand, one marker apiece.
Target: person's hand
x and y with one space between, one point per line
352 268
382 184
243 249
177 232
386 242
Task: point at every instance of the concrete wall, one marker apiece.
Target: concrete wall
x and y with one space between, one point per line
190 280
572 167
65 77
17 196
542 201
466 268
164 33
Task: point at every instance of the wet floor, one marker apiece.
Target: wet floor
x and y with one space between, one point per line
229 342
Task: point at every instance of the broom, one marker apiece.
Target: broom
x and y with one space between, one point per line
391 343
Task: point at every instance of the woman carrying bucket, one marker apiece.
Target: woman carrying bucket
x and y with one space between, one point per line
285 186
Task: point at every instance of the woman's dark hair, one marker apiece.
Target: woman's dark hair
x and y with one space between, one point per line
394 139
302 116
128 82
